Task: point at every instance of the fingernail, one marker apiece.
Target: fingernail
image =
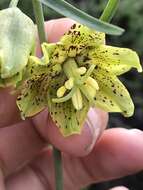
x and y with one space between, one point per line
136 131
94 125
119 188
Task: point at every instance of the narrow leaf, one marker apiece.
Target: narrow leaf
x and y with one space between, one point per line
70 11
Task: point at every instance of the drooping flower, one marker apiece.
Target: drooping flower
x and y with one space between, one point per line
77 73
17 42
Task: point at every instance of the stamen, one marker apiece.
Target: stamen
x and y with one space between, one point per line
81 70
77 100
92 82
61 91
83 79
88 73
65 98
69 83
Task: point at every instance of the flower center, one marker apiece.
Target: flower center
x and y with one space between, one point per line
79 83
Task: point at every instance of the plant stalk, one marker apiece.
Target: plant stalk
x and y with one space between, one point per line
109 10
13 3
38 12
58 168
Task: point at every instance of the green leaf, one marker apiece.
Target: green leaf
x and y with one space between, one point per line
70 11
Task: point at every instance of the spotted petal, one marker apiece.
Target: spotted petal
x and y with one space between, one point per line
69 120
80 36
54 53
106 102
113 96
32 99
115 60
65 116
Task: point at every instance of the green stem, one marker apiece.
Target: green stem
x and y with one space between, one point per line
38 12
13 3
86 188
58 169
109 10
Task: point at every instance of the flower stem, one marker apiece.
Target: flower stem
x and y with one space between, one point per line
38 12
58 168
109 10
13 3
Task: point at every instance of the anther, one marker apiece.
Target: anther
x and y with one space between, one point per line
69 83
61 91
81 70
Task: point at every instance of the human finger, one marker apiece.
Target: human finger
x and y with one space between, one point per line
119 188
19 144
78 145
119 152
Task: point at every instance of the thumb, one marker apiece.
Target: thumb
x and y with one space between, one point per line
77 145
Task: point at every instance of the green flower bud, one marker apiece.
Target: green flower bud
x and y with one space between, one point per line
17 42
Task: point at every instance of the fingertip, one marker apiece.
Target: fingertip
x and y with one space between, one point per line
77 145
56 28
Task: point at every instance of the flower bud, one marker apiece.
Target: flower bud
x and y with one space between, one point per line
17 41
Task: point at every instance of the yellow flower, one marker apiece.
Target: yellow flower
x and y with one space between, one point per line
76 73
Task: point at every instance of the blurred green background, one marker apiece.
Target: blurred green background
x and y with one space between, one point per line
130 17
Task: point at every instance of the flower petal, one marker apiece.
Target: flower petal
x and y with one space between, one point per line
33 98
66 117
105 102
115 60
39 75
113 96
79 37
56 52
48 50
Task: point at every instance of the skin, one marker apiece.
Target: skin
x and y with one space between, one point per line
26 161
